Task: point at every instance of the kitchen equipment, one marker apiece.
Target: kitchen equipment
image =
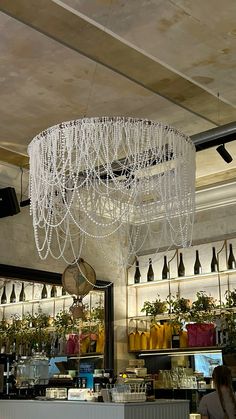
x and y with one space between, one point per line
129 393
39 363
56 393
24 373
78 393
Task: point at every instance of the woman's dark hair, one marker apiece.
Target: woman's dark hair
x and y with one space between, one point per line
222 377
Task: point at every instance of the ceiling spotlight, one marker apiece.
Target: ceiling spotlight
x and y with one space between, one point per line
224 153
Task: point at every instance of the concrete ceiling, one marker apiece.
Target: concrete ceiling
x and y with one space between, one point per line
168 60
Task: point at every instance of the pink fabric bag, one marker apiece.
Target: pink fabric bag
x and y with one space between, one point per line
70 344
201 334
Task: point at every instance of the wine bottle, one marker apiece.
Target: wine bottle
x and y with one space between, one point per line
4 296
150 273
63 291
165 270
13 294
197 265
53 291
22 292
137 274
231 259
44 293
181 268
214 261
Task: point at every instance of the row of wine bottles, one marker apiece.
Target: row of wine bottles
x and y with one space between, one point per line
44 293
197 268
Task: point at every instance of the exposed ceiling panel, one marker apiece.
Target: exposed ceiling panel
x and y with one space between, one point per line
164 60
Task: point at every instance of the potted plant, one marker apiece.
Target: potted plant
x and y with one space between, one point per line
230 298
179 309
202 331
228 327
203 308
154 308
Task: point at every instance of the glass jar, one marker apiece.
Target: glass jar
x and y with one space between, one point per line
40 365
23 372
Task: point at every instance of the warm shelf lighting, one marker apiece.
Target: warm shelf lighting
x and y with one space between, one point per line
178 353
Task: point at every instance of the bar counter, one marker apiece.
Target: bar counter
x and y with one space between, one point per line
58 409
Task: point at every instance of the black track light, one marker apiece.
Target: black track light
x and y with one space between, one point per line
224 153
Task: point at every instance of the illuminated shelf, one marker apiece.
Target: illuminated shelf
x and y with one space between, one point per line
182 351
37 300
87 355
183 278
167 316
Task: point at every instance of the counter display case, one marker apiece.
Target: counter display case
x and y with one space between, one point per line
171 409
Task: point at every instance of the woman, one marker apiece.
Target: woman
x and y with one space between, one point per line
221 403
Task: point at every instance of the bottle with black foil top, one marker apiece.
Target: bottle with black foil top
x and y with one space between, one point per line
4 296
181 267
44 293
22 292
197 265
214 261
53 291
231 264
13 294
165 269
137 274
150 273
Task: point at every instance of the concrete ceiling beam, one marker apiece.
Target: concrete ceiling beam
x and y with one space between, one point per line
69 27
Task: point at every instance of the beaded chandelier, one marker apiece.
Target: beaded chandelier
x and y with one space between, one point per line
94 177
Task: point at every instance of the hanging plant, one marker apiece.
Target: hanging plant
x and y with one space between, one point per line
154 308
63 323
97 313
230 297
179 307
3 333
202 309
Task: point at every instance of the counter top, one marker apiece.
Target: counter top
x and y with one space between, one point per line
61 409
83 402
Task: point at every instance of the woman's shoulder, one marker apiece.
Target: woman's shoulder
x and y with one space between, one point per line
210 395
208 398
206 403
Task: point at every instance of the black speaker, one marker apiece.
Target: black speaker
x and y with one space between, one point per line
8 202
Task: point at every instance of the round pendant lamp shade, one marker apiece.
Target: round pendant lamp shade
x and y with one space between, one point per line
79 278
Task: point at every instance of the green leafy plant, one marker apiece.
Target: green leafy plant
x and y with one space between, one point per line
179 307
229 326
154 308
63 323
202 309
98 313
230 297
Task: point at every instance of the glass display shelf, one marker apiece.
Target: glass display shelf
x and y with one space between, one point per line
169 316
37 300
183 278
87 355
178 351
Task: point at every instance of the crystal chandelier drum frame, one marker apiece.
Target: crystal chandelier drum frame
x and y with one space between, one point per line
94 177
